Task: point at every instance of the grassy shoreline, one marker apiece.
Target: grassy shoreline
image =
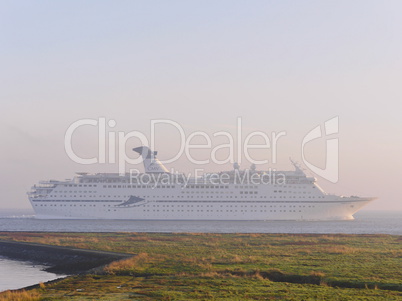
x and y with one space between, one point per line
196 266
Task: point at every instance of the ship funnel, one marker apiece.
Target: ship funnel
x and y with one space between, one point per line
297 167
151 163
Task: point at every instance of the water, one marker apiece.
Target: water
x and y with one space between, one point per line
366 222
17 274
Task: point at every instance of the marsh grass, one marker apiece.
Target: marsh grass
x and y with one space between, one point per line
191 266
20 295
130 266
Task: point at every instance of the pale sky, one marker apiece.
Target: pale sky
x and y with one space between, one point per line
279 65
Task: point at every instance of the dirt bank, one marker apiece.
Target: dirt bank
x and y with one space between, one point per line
60 260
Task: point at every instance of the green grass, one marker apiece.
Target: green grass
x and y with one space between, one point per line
188 266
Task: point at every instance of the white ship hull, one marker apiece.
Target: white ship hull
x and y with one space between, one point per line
328 207
110 196
291 211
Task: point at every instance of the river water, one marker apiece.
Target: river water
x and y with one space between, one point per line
17 274
366 222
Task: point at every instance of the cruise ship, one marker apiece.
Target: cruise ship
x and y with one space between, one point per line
158 194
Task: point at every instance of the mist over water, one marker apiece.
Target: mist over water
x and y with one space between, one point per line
366 222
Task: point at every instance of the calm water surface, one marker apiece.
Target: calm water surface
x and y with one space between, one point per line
17 274
366 222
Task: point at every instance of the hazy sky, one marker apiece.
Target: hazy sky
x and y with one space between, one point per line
279 65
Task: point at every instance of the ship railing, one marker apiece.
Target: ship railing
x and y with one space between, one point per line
46 184
35 196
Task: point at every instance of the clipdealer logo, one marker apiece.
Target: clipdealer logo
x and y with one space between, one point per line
237 146
331 170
